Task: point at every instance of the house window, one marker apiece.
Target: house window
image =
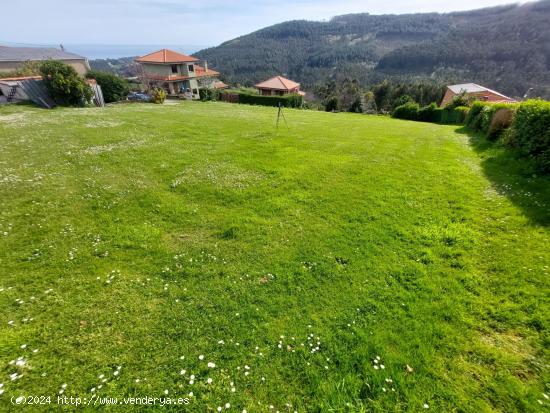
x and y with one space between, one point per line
174 68
191 68
195 91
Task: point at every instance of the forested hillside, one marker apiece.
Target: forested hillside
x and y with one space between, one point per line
507 48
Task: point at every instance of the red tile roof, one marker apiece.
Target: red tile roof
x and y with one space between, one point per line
220 85
166 56
201 72
278 83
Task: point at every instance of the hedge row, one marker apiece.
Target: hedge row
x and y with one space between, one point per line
490 119
524 126
290 101
430 113
530 132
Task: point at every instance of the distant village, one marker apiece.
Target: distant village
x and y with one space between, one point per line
180 76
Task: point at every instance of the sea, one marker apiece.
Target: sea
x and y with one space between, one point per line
116 51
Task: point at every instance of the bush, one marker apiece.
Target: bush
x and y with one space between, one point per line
158 95
356 106
430 113
460 100
114 88
402 100
481 118
473 118
501 120
209 94
456 115
530 132
331 104
64 84
407 111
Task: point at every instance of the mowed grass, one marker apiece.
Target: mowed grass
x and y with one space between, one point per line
346 263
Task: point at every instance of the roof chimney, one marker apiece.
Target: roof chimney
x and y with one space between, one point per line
206 66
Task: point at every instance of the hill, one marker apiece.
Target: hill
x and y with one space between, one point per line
375 267
506 48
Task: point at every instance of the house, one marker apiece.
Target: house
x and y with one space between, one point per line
177 74
12 58
278 86
474 92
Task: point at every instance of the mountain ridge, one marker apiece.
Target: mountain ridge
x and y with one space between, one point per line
505 47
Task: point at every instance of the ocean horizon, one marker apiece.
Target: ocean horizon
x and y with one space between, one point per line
116 51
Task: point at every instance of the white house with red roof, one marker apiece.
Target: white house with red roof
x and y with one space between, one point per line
278 86
178 74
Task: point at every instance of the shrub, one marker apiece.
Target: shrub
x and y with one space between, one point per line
64 84
473 118
158 95
481 118
430 113
500 121
460 100
402 100
356 106
456 115
332 104
114 87
530 132
209 94
407 111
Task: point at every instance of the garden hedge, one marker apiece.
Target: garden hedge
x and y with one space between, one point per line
490 119
408 111
431 113
289 101
530 132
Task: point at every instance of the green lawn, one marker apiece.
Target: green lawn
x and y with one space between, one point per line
346 263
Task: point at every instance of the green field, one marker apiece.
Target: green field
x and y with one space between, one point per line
347 263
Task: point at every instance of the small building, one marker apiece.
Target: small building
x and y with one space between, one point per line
19 89
12 58
176 73
32 88
278 86
474 92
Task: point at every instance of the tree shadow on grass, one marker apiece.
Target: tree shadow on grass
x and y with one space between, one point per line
514 177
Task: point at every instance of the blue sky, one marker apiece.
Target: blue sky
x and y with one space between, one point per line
191 22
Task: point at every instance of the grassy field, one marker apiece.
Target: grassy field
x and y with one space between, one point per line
346 263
